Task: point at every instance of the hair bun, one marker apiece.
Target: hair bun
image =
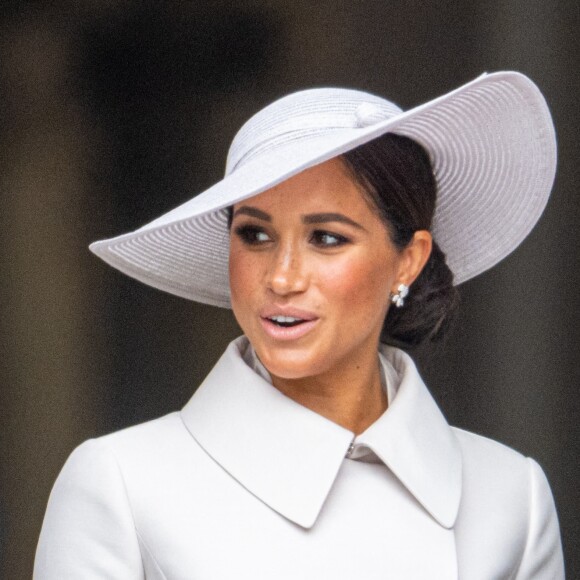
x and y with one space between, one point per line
429 308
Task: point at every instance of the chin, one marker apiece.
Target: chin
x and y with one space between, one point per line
289 365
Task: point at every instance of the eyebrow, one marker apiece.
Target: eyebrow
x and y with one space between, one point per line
321 218
253 212
313 218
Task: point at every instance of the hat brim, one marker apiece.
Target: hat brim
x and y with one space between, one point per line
493 149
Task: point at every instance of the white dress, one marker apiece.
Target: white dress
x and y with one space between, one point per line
246 483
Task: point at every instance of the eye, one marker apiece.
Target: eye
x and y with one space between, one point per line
328 239
252 235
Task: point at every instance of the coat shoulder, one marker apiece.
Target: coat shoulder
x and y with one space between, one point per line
489 454
147 437
144 451
507 514
496 481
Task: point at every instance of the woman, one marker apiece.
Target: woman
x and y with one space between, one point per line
312 449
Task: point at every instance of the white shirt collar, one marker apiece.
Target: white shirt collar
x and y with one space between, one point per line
288 456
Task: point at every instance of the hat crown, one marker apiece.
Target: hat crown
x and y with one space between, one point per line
305 115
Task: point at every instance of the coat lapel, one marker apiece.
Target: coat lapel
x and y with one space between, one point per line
283 453
415 441
289 456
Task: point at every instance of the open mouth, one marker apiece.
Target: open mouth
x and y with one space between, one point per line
286 321
286 327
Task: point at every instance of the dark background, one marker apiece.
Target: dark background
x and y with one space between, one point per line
113 112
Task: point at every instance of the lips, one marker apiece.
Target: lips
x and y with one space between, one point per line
287 323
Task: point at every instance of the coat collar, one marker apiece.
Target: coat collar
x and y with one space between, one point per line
288 456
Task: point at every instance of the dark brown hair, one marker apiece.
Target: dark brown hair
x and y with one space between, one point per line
395 173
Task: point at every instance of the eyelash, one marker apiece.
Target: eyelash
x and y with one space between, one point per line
249 236
318 235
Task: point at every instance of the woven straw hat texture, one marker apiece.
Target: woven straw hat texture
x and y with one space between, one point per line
491 142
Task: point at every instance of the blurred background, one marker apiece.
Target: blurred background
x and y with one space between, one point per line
113 112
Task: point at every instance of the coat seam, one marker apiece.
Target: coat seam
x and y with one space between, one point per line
146 547
129 503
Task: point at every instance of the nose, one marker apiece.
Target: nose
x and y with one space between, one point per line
287 273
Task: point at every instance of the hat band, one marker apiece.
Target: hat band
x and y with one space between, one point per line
279 140
244 147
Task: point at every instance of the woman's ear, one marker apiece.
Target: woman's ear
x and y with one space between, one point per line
414 257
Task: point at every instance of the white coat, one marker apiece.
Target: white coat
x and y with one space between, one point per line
246 483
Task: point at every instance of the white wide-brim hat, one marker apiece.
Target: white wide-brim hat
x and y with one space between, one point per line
491 143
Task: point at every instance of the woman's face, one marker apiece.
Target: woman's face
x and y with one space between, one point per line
311 269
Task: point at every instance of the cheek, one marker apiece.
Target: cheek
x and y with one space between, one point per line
358 284
243 276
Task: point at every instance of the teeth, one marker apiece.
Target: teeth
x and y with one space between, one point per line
285 319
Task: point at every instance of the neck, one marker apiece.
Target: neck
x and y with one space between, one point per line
352 397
